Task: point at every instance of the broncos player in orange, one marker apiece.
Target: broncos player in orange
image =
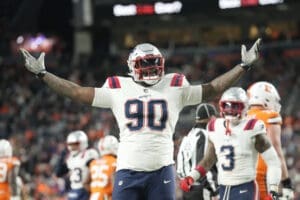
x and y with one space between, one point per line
102 170
9 167
264 102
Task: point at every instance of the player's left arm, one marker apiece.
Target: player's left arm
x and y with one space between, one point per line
274 133
268 153
221 83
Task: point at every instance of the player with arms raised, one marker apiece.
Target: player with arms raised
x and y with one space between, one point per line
146 106
234 143
264 102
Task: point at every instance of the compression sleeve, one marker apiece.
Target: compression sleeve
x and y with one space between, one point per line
274 166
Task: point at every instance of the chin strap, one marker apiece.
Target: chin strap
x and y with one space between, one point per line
228 130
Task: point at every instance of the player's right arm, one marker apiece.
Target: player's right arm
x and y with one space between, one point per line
268 153
203 166
59 85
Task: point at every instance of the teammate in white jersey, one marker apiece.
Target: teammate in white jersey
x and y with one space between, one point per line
234 143
77 164
146 106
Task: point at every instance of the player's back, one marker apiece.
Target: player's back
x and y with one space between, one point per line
102 171
235 151
6 166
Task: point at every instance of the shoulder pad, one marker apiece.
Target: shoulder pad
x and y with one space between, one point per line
177 80
113 82
274 118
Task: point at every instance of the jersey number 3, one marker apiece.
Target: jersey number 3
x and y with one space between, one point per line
228 164
153 113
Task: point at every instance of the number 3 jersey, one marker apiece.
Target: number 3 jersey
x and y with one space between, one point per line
236 153
78 167
146 117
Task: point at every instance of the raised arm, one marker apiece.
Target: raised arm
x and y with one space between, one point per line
221 83
59 85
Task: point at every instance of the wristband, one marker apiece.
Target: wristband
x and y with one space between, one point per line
41 74
245 67
201 170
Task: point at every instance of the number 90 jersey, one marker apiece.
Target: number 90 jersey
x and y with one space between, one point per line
236 153
146 117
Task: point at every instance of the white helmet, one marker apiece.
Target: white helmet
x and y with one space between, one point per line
146 64
5 148
77 137
234 104
108 145
265 94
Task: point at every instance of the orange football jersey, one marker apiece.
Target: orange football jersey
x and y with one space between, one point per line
269 117
6 165
102 171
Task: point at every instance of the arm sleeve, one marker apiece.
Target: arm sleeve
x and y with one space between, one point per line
192 94
102 98
274 166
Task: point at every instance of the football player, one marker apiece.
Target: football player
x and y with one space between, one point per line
102 169
77 165
192 150
9 169
234 143
146 106
264 102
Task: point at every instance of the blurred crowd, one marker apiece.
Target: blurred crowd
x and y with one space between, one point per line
36 120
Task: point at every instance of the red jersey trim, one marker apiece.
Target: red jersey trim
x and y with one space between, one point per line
211 124
250 124
177 80
114 82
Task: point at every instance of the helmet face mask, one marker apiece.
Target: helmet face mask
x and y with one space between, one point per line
77 141
233 104
264 94
146 64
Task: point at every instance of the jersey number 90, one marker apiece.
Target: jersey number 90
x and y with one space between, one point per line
153 114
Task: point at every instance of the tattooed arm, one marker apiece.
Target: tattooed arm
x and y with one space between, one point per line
221 83
209 158
69 89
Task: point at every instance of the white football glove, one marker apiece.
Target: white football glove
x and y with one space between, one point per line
34 65
287 194
249 57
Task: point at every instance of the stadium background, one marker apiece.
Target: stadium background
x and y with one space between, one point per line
85 43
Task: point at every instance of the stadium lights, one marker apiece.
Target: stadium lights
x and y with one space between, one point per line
158 8
225 4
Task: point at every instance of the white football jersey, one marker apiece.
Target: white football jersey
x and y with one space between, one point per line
236 151
146 117
78 167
